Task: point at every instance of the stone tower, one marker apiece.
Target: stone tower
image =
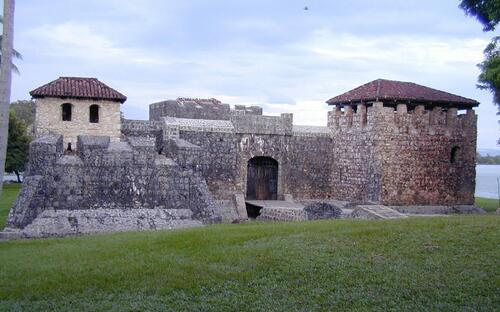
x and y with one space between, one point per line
400 143
74 106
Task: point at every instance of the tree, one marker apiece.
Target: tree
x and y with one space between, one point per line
5 81
489 79
17 146
25 111
488 13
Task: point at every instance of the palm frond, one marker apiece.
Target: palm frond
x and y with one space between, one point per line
15 53
14 68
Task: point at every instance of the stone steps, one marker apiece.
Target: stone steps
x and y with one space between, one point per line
279 210
376 212
74 222
282 214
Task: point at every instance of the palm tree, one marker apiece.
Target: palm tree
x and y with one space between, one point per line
15 53
5 80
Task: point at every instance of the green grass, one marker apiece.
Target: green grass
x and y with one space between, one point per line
9 194
444 263
416 264
489 205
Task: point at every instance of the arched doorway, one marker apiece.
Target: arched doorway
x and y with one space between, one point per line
262 179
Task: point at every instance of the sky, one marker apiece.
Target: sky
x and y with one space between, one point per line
273 54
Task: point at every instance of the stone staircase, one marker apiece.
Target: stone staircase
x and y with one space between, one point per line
376 212
89 221
279 210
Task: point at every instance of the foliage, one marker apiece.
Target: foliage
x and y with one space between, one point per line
17 145
487 12
25 110
415 264
9 194
487 160
489 79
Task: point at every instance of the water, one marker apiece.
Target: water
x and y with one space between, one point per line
486 180
9 177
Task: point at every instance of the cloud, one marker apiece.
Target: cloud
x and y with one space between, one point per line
83 42
422 52
281 58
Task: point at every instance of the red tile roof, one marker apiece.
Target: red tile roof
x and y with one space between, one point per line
78 88
408 92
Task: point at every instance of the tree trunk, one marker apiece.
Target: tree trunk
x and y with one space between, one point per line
18 176
5 80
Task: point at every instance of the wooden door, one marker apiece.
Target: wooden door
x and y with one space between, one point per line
262 179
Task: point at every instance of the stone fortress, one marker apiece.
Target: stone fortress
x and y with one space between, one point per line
388 147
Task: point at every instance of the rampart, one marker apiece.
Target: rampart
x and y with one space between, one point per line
177 170
125 176
189 108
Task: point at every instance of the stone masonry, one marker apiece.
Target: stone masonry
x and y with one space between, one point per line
195 161
48 119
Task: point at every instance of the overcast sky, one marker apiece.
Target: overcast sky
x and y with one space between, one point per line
269 53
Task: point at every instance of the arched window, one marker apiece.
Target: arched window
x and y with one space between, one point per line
454 154
94 113
66 110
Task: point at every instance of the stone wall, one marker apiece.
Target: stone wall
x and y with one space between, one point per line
226 147
356 170
371 154
143 128
388 154
103 174
403 157
429 156
189 108
202 109
48 119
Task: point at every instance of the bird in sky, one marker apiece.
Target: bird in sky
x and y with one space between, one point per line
306 8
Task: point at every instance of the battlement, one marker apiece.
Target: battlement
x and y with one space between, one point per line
136 127
311 131
44 152
400 118
189 108
246 110
257 124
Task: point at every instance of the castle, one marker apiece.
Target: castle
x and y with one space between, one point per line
200 161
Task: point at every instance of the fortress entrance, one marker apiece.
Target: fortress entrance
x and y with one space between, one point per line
262 179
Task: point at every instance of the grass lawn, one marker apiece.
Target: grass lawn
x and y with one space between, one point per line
9 194
489 205
444 263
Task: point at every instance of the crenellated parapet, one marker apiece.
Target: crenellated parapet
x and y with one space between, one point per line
191 108
246 110
44 153
401 118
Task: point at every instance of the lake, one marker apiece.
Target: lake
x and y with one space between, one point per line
486 180
10 177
